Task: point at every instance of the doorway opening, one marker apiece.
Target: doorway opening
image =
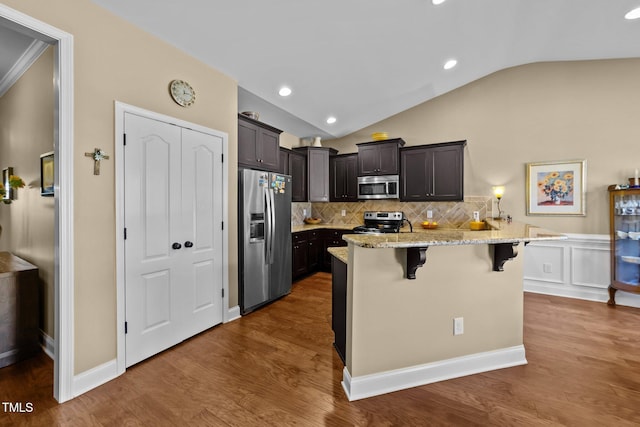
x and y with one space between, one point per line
63 190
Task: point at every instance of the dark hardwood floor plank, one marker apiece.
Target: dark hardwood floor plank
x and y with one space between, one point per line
277 367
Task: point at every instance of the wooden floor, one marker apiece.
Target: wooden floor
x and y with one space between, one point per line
277 367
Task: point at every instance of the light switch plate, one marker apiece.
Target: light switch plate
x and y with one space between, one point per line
458 326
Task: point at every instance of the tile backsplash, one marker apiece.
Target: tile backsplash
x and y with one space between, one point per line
447 214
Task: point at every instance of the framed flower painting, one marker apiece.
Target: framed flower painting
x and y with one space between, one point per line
556 188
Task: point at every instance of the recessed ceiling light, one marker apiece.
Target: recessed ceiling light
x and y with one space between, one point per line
633 14
331 120
450 64
437 2
285 91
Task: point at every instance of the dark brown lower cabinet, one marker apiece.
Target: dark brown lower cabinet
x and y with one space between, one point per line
309 252
299 254
332 238
314 250
339 306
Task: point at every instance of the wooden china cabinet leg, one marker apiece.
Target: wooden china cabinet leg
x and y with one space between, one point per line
612 296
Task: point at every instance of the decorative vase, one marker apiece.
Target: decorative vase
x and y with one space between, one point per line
316 142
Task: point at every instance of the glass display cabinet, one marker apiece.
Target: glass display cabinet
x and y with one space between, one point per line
624 227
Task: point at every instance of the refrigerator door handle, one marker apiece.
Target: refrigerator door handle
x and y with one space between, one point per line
269 224
273 226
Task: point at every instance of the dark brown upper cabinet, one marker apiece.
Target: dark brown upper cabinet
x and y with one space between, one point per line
317 162
298 172
344 178
379 157
258 145
295 164
432 172
283 165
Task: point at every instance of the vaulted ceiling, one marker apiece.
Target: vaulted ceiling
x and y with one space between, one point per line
361 61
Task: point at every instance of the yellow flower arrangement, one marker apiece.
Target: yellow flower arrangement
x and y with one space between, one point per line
14 182
557 185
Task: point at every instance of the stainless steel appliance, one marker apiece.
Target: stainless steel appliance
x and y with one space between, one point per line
378 187
382 222
264 237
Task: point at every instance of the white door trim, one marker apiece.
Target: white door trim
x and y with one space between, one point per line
63 186
120 110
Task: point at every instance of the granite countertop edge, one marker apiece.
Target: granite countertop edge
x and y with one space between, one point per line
499 232
340 252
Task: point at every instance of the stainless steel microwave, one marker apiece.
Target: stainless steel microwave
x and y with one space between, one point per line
378 187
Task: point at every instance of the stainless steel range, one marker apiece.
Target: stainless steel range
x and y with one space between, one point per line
377 222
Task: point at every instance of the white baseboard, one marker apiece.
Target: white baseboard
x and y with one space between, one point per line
94 377
400 379
104 373
48 345
233 314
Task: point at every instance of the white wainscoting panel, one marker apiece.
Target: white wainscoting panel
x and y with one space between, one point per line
578 267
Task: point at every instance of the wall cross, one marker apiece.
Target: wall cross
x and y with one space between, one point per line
97 155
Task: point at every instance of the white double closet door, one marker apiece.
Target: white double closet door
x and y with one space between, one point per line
173 246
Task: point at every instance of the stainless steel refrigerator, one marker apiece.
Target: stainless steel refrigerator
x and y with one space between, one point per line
264 237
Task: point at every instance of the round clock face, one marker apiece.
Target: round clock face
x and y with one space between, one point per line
182 92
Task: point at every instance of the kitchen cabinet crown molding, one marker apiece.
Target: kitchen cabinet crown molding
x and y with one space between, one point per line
259 123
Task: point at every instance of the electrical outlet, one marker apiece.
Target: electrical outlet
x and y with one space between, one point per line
429 214
304 213
476 216
547 267
458 325
343 212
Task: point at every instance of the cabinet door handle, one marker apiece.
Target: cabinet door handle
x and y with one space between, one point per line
188 244
176 246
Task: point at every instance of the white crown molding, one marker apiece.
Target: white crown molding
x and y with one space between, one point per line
27 59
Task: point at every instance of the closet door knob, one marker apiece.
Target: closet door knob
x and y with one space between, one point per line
176 245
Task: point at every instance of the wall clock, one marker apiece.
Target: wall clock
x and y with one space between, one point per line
182 93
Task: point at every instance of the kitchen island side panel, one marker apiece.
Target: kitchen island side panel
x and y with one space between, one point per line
395 323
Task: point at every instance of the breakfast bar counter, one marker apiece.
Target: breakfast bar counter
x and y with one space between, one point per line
405 292
497 232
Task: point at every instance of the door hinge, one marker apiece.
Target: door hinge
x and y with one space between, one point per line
125 234
124 139
126 327
222 225
222 158
222 292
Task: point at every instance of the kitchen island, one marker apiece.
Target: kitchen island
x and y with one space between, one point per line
405 291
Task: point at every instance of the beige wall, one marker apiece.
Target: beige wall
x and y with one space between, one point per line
288 141
395 323
26 132
538 112
116 61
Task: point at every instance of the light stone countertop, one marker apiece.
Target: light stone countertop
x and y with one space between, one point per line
499 232
340 252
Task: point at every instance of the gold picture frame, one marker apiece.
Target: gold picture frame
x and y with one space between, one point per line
9 192
556 188
46 174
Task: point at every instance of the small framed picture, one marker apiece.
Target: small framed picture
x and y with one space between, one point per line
9 193
46 174
556 188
